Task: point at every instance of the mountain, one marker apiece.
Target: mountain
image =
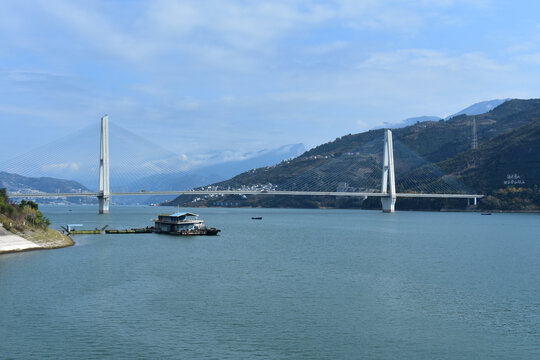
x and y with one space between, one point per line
423 148
506 167
480 108
17 183
475 109
512 158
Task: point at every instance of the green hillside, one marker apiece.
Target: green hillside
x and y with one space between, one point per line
512 159
508 138
25 220
507 168
19 215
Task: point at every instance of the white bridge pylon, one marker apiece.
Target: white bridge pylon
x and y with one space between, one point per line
104 194
388 184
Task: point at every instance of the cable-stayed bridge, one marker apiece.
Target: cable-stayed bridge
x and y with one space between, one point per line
366 171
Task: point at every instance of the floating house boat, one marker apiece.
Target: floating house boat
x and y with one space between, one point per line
182 223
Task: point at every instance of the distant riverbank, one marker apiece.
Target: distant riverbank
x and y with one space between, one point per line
473 210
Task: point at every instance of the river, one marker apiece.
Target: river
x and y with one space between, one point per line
298 284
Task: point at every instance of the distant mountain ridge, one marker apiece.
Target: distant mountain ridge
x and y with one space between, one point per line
15 183
475 109
19 183
480 107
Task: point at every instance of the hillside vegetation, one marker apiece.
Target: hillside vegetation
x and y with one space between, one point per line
20 216
25 219
504 165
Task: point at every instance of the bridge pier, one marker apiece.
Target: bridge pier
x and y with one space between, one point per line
475 203
388 175
104 194
103 204
388 204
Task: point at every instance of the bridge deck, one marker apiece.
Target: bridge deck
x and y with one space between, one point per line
238 192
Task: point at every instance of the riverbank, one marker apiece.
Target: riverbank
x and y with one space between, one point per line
32 240
474 210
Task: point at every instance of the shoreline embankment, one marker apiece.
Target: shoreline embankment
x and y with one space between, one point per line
32 240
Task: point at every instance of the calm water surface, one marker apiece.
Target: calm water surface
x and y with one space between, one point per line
299 284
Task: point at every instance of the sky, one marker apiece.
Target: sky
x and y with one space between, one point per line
236 76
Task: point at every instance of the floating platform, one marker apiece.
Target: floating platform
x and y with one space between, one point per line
209 231
145 230
69 229
82 232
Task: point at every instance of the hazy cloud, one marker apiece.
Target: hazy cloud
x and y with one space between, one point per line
64 166
257 73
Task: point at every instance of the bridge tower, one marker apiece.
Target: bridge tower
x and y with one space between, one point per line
388 176
104 195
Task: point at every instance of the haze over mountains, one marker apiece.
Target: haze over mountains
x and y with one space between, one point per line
217 171
145 177
205 175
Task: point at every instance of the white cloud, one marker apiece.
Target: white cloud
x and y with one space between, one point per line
303 97
61 166
217 29
405 59
222 35
188 104
100 31
325 67
326 48
531 58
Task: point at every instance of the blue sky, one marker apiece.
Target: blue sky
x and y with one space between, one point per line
207 76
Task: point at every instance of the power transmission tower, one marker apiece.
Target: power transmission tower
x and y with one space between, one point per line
474 136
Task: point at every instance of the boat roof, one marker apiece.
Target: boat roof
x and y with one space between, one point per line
180 214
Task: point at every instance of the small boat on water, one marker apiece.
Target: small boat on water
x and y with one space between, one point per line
256 218
182 223
486 213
